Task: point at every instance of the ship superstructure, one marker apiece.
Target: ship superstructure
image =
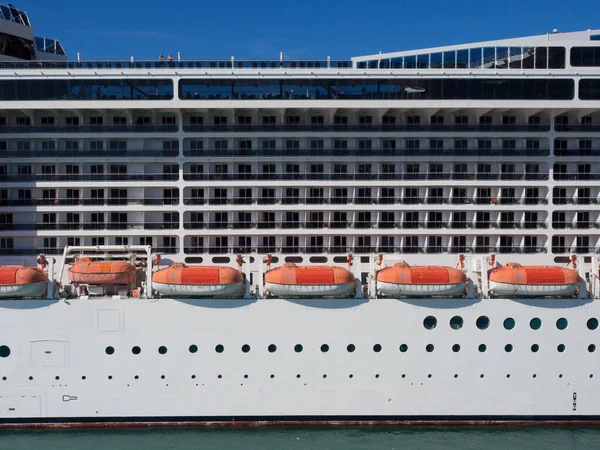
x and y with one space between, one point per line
467 157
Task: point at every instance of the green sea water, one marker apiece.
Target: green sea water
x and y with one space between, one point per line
390 438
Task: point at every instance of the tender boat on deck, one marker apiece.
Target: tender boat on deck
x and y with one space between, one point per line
291 280
22 281
513 279
86 271
404 280
197 281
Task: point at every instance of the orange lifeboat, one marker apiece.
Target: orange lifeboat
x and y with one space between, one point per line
86 271
532 281
22 281
198 281
291 280
420 281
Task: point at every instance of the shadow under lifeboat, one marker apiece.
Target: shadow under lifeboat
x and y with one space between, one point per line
198 281
403 280
22 281
86 271
291 280
513 279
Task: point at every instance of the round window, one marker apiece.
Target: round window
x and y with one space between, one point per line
508 348
591 348
4 351
136 350
272 348
219 348
162 350
456 348
193 348
535 323
404 348
562 323
509 323
483 323
430 322
482 348
350 348
324 348
456 323
535 348
109 350
429 348
561 348
245 348
592 323
298 348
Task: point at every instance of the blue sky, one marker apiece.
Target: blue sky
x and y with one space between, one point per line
302 29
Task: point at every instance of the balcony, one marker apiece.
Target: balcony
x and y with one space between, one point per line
90 177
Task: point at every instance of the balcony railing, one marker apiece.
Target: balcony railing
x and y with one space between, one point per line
576 128
55 129
367 128
88 153
90 177
62 226
334 152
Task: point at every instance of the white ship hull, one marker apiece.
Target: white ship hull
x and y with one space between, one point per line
23 290
420 290
533 290
58 369
316 290
194 290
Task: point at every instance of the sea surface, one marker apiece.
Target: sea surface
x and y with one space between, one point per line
390 438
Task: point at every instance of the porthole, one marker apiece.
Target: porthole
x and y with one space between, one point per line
562 323
136 350
508 375
4 378
351 376
509 323
592 323
219 348
481 375
298 376
4 351
272 348
429 376
83 377
591 375
456 323
324 348
561 348
30 378
324 375
245 376
298 348
535 323
535 348
483 323
404 348
162 350
482 348
110 377
429 348
245 348
219 376
591 348
272 376
560 375
376 375
350 348
109 350
57 378
456 348
137 377
162 377
193 377
455 375
508 348
430 322
377 348
535 375
193 348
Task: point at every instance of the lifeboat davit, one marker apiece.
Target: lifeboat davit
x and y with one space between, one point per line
291 280
533 281
420 281
22 281
198 281
86 271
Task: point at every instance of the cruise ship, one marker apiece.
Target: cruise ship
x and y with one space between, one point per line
398 238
